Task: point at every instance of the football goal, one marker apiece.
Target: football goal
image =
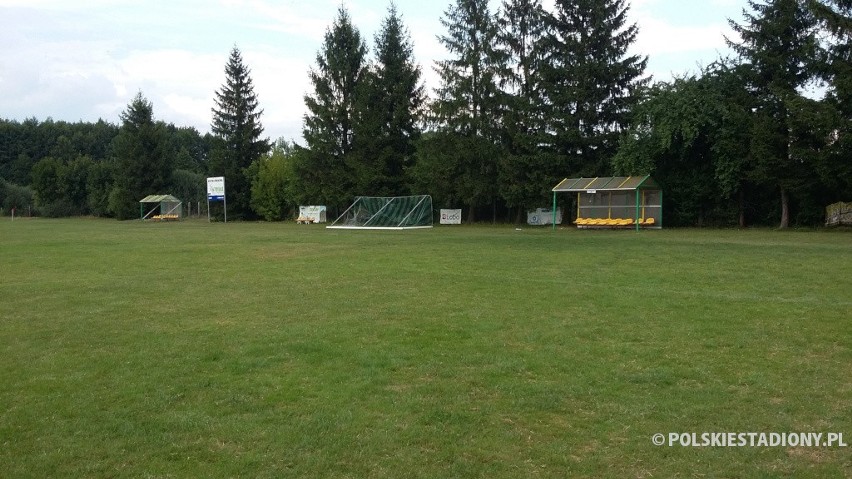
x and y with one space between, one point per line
387 213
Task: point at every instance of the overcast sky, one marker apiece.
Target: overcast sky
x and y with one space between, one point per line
84 60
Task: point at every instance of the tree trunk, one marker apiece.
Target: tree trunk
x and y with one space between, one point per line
742 208
519 217
785 209
471 217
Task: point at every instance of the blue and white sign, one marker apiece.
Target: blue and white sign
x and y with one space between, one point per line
216 188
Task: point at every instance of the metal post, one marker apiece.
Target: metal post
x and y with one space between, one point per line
636 219
554 211
578 204
225 201
609 210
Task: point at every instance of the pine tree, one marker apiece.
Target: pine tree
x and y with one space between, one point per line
525 174
468 96
329 128
390 112
237 131
835 18
143 168
590 82
468 101
780 45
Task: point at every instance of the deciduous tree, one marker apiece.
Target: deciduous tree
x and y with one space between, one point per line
778 41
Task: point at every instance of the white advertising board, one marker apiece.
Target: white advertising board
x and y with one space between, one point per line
216 188
451 217
317 214
544 216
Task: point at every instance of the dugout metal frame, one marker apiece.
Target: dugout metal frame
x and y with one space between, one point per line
169 207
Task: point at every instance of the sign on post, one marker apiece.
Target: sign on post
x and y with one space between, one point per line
216 192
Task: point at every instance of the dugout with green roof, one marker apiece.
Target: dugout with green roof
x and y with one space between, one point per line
615 201
165 208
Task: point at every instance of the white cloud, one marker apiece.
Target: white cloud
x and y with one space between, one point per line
660 37
73 60
280 84
680 37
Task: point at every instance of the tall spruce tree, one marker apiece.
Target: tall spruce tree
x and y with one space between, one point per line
835 18
780 45
390 112
143 167
467 107
590 82
237 134
329 128
525 174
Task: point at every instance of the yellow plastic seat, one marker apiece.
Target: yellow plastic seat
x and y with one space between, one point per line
649 221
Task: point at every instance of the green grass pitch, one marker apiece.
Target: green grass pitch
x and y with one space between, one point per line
190 349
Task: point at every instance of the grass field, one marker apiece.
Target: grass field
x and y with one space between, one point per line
191 349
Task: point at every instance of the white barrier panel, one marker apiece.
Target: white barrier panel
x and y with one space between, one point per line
451 217
317 214
544 216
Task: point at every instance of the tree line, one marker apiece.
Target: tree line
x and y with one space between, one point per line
527 96
56 168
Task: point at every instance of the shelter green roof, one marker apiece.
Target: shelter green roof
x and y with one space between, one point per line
607 183
159 199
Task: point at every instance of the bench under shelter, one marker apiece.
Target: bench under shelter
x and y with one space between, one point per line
615 201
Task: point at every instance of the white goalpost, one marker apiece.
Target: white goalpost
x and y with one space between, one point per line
386 213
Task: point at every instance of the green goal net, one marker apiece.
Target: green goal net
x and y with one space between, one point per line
387 212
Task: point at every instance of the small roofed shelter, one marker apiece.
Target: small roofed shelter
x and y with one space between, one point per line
160 208
615 201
